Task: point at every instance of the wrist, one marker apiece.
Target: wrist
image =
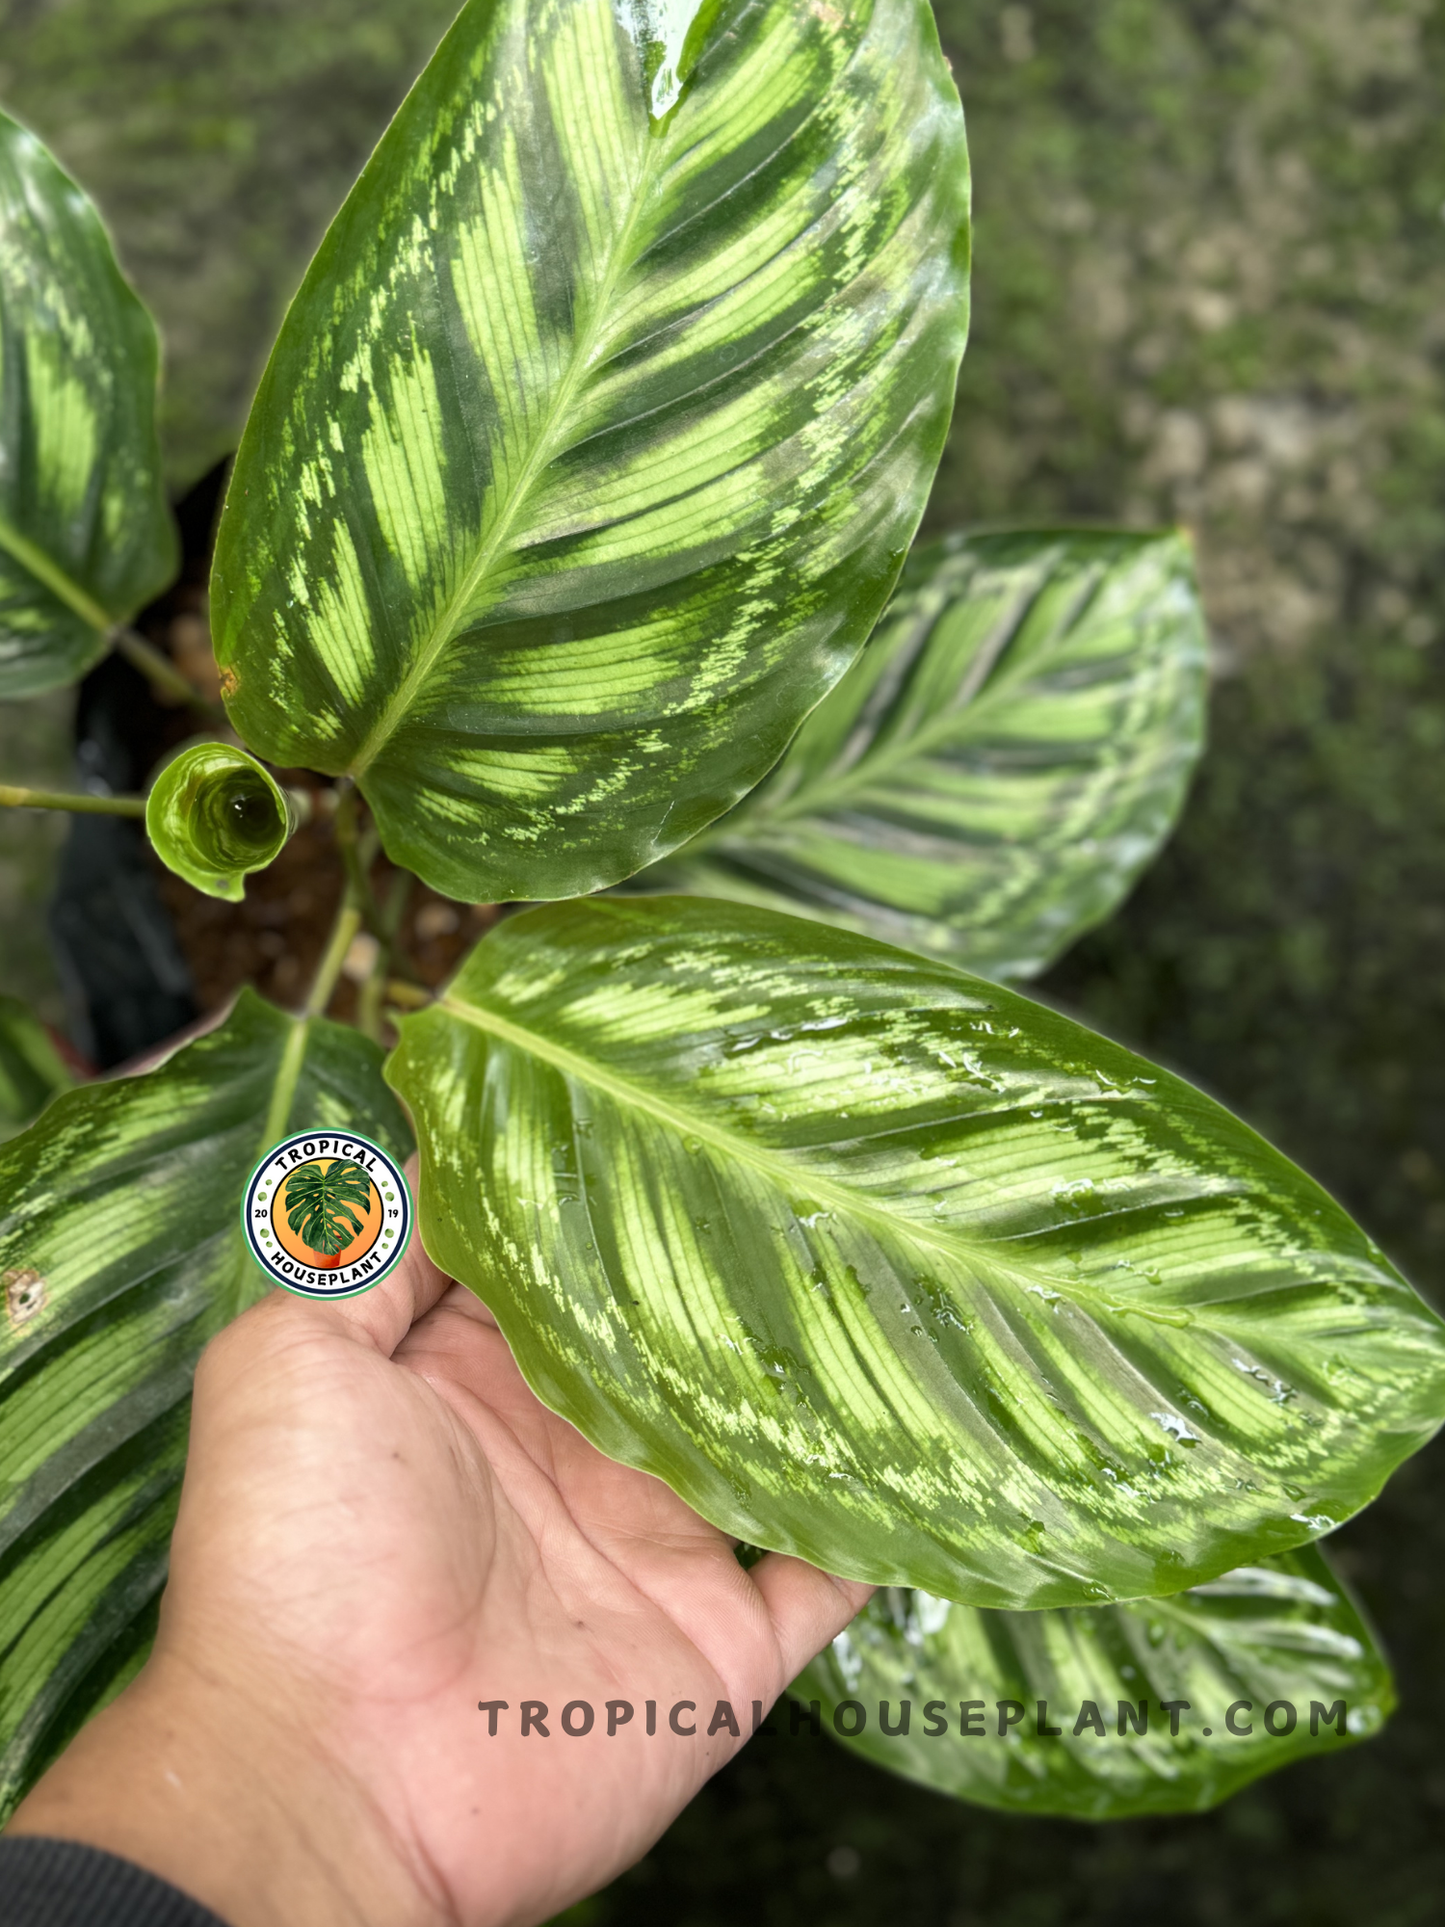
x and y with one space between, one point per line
237 1805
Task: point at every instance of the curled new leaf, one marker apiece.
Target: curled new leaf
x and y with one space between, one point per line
996 769
85 534
214 815
886 1266
1161 1706
120 1255
596 436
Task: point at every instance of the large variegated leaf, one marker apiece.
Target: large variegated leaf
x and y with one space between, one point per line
121 1254
1268 1664
994 772
886 1266
85 534
592 445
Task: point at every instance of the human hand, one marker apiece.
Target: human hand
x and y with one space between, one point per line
380 1527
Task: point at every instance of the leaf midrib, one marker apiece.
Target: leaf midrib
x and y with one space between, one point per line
774 1166
875 768
51 576
232 1299
875 771
288 1074
541 455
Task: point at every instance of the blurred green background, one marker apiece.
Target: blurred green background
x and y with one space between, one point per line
1210 289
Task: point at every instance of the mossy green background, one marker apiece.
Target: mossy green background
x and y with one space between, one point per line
1210 289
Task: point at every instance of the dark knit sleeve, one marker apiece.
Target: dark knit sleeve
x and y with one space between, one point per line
58 1883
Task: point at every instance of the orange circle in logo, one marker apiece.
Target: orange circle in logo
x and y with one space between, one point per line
370 1217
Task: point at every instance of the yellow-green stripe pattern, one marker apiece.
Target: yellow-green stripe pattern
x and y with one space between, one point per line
594 441
85 534
886 1266
989 779
120 1255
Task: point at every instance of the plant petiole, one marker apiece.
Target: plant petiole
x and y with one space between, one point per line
14 798
369 1003
359 850
343 932
408 996
163 676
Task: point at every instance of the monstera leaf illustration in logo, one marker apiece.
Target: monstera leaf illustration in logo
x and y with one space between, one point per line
319 1201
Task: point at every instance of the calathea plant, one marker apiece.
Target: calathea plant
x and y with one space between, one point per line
583 471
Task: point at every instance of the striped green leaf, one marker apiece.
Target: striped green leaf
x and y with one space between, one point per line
215 815
31 1068
85 534
121 1254
597 434
886 1266
1055 1700
991 776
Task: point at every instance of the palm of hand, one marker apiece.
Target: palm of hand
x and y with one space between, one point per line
391 1528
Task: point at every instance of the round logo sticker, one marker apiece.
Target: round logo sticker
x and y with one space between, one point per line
327 1214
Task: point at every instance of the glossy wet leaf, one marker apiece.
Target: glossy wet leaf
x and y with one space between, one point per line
85 534
120 1255
991 776
889 1267
215 815
1281 1649
32 1070
596 436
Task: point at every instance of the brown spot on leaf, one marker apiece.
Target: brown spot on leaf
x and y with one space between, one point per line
24 1295
230 683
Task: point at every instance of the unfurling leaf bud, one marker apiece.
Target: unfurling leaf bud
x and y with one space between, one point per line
214 815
